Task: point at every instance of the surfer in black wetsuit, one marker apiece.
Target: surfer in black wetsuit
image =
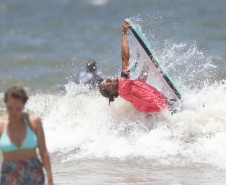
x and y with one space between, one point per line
89 76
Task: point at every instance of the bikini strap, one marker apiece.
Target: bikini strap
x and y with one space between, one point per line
25 120
7 121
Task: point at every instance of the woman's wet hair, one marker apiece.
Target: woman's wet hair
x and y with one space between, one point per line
17 92
106 93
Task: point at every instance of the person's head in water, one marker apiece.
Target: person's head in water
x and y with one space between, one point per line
109 88
91 66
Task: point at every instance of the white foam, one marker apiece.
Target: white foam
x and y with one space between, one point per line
82 125
79 124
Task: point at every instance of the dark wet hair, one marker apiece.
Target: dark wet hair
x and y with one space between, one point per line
17 92
106 93
91 66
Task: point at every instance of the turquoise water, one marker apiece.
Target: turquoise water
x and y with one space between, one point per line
45 44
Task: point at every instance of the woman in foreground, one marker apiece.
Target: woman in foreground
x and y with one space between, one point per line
20 135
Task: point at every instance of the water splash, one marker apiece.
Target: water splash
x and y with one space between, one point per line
83 126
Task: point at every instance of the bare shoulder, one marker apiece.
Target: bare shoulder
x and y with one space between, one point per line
34 118
34 121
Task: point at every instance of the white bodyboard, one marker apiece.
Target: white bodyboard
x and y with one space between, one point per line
143 64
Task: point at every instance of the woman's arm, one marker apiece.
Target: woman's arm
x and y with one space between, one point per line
125 46
43 150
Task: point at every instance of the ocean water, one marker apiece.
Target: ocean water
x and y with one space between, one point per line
45 44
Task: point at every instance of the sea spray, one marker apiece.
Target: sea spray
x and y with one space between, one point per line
84 126
80 125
